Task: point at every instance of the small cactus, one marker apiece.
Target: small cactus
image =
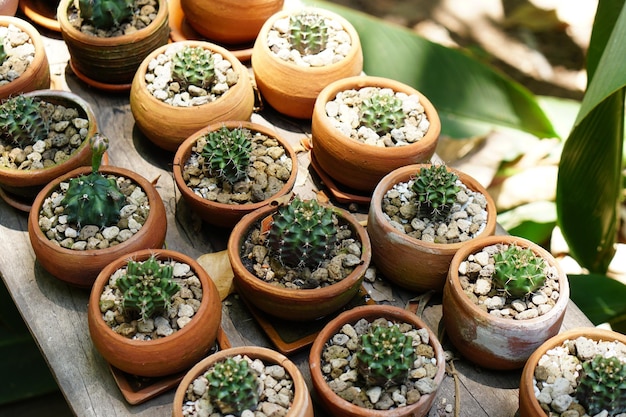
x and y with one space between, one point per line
94 199
106 14
308 33
22 121
518 271
435 188
3 53
385 356
602 386
147 287
227 153
302 233
233 386
382 113
193 65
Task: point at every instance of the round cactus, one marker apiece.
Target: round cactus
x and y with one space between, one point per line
193 65
382 113
518 271
233 386
227 153
106 14
602 386
22 121
308 33
435 188
385 356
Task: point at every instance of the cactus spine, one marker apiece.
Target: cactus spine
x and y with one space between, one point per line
602 386
308 33
193 65
518 271
22 121
435 188
106 14
233 386
382 113
227 153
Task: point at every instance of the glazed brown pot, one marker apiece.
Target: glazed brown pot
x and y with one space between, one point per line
406 261
339 407
167 355
154 117
80 268
301 406
216 213
107 62
496 342
37 74
292 89
528 404
229 22
361 166
288 303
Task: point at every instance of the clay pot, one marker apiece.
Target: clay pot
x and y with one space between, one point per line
111 63
357 165
167 355
496 342
528 404
339 407
216 213
288 303
154 117
404 260
37 75
291 89
8 7
301 406
41 12
80 268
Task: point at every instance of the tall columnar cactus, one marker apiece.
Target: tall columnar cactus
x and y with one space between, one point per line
302 233
147 287
22 121
106 14
233 386
382 113
435 188
518 271
385 356
193 65
308 33
94 199
227 153
602 386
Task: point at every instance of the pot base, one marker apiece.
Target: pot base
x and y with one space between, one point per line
111 88
342 193
41 12
17 202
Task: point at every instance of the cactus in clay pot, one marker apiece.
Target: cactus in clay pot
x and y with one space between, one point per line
105 14
602 385
233 386
23 121
518 271
308 33
382 112
435 188
227 153
193 65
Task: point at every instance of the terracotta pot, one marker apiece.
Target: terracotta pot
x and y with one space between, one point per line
528 404
406 261
495 342
301 406
294 304
8 7
339 407
358 165
229 22
37 75
41 12
154 117
292 89
80 268
220 214
167 355
27 183
107 62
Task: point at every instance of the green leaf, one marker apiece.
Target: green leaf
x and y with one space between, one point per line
599 297
533 221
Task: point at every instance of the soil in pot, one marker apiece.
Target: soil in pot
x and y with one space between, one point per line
18 52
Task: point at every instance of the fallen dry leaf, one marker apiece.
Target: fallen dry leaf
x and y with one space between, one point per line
218 267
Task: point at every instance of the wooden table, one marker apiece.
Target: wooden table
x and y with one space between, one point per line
56 313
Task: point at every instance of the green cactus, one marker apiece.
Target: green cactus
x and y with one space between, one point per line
227 153
3 54
382 113
435 188
94 199
23 121
233 386
602 386
308 33
193 65
106 14
385 356
518 271
302 233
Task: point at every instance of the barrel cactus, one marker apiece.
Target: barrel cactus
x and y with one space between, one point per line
382 113
302 233
193 65
233 386
602 385
436 189
23 121
308 33
106 14
385 356
227 153
518 271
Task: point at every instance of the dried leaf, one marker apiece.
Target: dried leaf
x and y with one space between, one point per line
217 265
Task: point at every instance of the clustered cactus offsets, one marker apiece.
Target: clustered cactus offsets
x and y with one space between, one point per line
602 385
193 65
105 14
518 271
436 189
233 386
308 32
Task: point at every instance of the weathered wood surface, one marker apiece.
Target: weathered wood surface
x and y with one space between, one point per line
56 313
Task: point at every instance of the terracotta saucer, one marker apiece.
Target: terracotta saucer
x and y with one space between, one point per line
111 88
15 201
341 193
41 12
